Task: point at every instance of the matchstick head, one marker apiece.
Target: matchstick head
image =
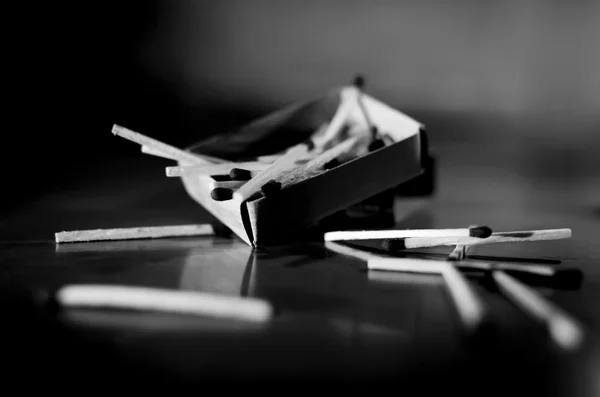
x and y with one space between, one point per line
359 81
480 231
376 144
271 188
393 244
239 174
221 194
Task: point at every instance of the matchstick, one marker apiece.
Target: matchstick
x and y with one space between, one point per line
158 146
458 253
226 184
134 233
309 169
157 153
163 300
474 231
503 237
273 171
213 169
564 330
359 83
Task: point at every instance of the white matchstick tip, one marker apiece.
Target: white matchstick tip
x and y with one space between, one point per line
480 231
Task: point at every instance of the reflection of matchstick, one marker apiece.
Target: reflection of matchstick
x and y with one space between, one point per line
474 231
563 329
163 300
503 237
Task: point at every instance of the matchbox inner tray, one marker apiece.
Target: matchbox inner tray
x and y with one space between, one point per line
368 178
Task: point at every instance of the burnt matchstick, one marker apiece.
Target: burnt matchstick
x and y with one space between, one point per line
221 194
563 329
399 244
479 232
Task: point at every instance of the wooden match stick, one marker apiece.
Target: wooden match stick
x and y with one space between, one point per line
227 184
458 253
163 300
134 233
474 231
273 171
158 146
564 330
359 83
503 237
309 169
157 153
213 169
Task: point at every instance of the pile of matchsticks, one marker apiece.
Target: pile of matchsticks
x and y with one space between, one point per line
563 329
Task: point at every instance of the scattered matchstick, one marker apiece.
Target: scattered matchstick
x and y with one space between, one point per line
400 244
134 233
564 330
458 253
213 169
473 231
171 151
163 300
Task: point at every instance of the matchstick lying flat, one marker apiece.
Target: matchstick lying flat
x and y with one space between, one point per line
158 146
214 169
473 231
162 300
565 331
134 233
503 237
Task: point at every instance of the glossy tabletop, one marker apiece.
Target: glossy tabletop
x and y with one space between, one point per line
333 320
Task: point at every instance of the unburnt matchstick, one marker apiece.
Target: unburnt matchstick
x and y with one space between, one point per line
134 233
163 300
221 194
399 244
214 169
226 184
158 146
473 231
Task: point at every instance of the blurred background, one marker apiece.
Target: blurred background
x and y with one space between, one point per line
520 74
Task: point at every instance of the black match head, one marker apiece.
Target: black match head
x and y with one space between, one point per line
480 231
376 145
359 81
271 188
221 194
393 245
239 174
310 144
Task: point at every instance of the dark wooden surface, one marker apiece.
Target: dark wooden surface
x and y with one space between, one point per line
334 320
